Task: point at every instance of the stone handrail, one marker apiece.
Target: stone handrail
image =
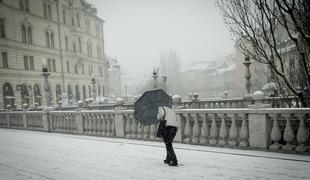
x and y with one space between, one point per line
279 129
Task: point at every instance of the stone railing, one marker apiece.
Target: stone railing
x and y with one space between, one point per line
276 129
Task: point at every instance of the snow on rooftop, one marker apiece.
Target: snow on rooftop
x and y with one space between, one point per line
37 155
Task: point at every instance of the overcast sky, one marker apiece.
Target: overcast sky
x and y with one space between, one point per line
137 30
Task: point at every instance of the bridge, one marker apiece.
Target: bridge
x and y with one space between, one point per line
41 155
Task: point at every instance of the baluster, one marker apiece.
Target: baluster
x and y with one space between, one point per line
128 127
146 133
113 130
59 118
213 131
140 131
99 127
275 133
88 117
152 132
104 125
134 127
109 130
188 129
302 134
196 130
244 132
288 134
93 125
68 123
223 131
233 132
205 130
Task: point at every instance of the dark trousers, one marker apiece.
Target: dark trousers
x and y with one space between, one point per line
168 138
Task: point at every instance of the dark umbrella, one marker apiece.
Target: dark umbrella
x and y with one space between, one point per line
146 107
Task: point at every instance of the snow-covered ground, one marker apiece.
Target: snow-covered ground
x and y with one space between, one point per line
37 155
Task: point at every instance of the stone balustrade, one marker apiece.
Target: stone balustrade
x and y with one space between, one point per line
277 129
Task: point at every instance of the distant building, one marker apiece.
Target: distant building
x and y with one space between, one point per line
170 66
115 81
67 33
210 78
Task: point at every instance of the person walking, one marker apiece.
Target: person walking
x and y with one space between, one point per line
170 130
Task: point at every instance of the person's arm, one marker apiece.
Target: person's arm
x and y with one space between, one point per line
160 113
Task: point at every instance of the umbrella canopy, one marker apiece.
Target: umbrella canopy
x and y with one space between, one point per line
146 107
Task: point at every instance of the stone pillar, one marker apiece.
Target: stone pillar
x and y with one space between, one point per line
176 101
24 117
259 124
79 120
119 120
46 120
8 116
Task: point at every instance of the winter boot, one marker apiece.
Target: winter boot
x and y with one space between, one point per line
173 163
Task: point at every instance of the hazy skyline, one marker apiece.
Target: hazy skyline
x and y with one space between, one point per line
136 31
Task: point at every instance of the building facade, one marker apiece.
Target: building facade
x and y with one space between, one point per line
67 34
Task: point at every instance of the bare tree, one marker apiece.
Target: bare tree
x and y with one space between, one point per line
276 33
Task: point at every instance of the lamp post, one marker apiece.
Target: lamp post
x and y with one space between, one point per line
93 81
46 85
247 75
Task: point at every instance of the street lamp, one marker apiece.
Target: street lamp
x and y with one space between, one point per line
46 85
155 76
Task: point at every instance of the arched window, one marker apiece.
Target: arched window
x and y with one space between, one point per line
70 95
89 48
80 44
84 92
45 10
58 93
64 16
2 28
47 39
103 93
76 69
8 95
24 34
49 8
29 32
78 19
24 94
37 94
77 93
99 90
52 40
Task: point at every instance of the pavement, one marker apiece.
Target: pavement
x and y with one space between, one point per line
41 155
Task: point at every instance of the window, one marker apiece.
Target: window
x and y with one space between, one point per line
54 65
90 69
76 71
49 8
82 68
78 20
45 10
2 28
5 60
87 24
26 64
74 47
97 31
89 49
24 34
72 21
47 37
27 5
29 32
51 64
80 44
66 42
21 4
99 51
31 63
64 16
68 66
100 71
52 40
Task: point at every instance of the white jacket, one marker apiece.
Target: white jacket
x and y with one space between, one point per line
170 116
